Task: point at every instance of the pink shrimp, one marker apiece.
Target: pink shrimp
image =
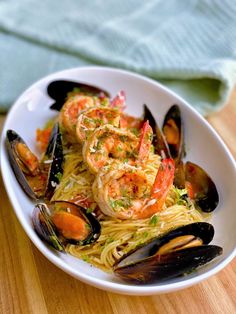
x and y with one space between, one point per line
93 118
124 191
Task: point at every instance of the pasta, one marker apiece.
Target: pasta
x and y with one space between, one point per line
118 236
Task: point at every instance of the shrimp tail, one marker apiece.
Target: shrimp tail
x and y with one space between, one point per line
163 182
119 101
145 142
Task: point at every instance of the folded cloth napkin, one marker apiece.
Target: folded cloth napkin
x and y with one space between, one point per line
188 45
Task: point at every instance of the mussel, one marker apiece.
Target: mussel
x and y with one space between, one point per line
178 252
38 179
173 131
58 90
200 187
159 142
63 222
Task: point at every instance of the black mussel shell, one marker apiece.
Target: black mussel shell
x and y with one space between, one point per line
202 230
58 90
54 153
202 187
43 183
12 138
173 124
46 229
144 265
159 142
95 227
167 266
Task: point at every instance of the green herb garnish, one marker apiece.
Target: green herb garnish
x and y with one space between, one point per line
154 220
58 176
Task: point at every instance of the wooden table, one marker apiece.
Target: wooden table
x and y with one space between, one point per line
29 283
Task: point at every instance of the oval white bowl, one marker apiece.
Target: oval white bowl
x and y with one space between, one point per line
203 147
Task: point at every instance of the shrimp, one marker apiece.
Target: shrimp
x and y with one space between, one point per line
71 110
125 192
145 142
108 144
120 190
130 122
92 118
119 101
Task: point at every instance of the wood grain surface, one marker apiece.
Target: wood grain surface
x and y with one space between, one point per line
29 283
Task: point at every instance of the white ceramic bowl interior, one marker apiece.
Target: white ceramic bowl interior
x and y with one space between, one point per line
203 147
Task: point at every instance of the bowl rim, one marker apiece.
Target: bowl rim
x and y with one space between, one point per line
56 260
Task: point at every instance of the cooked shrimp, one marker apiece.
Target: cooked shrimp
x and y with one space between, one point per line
145 142
71 110
125 192
121 190
92 118
119 101
107 144
129 122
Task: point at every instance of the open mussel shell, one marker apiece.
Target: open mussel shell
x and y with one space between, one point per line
174 132
58 90
42 182
203 189
159 142
53 233
149 265
12 140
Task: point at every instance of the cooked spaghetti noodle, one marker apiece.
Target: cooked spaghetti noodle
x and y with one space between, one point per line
118 237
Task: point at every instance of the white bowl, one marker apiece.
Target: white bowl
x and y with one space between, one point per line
203 146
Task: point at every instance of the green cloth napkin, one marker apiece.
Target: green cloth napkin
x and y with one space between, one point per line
188 45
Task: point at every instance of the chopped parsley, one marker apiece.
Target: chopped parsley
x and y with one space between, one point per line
109 240
119 149
123 138
154 220
87 120
87 226
152 149
58 176
131 154
135 131
85 258
75 91
124 202
181 196
89 210
110 115
98 121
